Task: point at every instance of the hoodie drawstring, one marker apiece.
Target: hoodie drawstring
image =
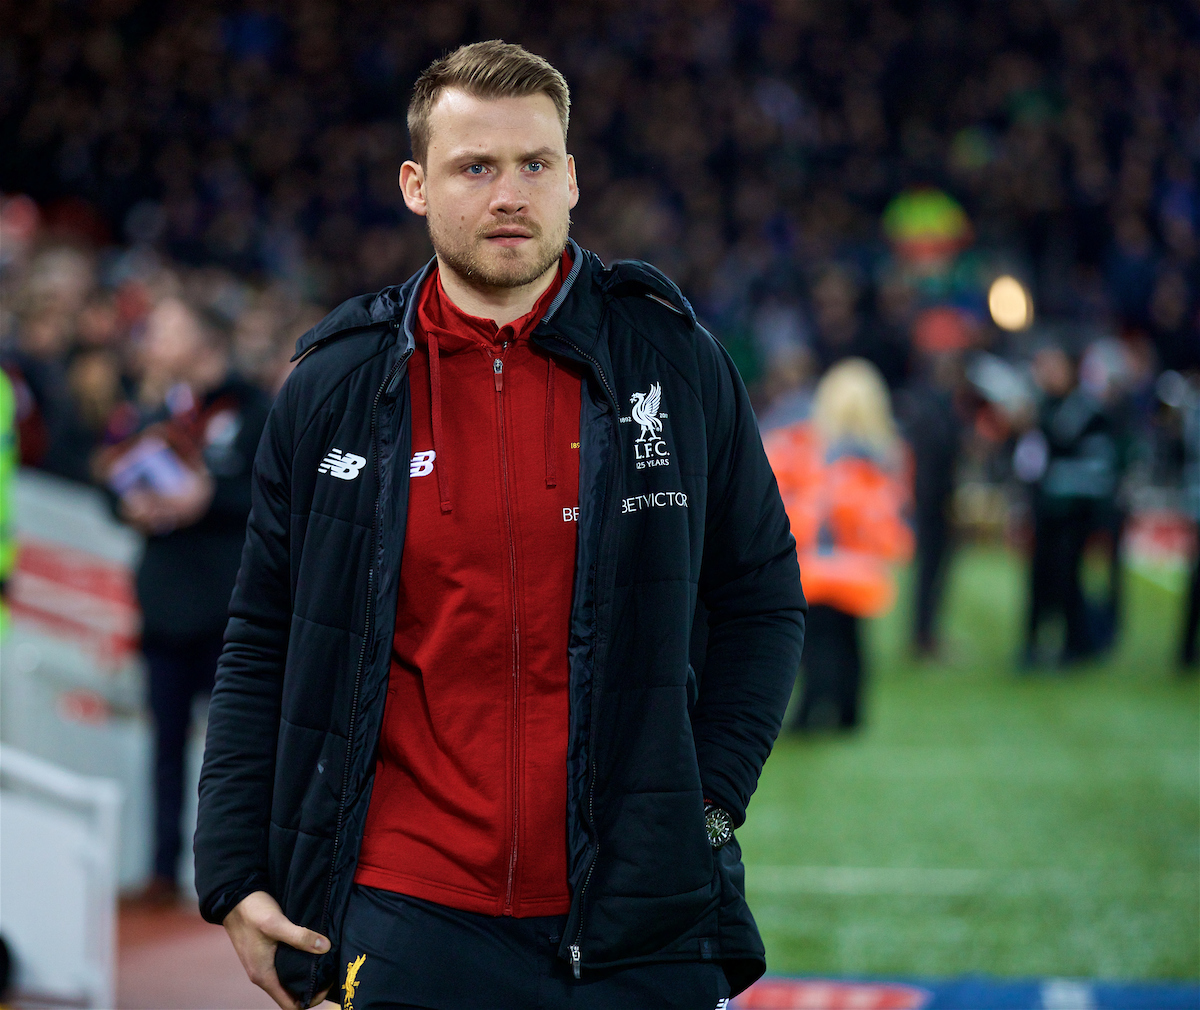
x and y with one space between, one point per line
551 472
435 399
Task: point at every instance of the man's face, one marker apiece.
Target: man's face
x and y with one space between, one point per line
497 187
1053 371
173 339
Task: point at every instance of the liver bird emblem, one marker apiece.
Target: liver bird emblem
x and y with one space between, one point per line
645 412
352 980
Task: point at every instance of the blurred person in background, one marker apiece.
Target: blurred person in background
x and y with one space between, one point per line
788 390
9 455
96 382
1190 407
783 341
34 364
47 307
1108 372
6 971
181 475
928 411
843 330
1070 461
844 482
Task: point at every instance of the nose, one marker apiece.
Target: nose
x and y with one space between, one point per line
507 197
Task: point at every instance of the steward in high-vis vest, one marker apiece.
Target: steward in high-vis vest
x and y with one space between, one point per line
844 479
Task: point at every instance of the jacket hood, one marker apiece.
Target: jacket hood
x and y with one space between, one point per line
362 312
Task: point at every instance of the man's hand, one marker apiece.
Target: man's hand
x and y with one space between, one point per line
155 513
257 926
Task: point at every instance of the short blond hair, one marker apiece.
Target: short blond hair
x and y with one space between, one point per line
852 402
491 69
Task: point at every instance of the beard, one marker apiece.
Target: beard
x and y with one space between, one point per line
483 265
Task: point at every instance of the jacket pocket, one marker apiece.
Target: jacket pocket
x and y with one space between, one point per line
743 955
294 968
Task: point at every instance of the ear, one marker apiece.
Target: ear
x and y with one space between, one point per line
412 186
572 183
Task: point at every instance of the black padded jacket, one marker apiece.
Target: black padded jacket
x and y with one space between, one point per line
680 521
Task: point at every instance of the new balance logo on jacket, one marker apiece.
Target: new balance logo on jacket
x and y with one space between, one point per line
343 465
346 465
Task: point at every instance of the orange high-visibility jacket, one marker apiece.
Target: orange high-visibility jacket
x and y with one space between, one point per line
847 514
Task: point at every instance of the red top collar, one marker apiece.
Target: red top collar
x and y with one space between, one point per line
451 326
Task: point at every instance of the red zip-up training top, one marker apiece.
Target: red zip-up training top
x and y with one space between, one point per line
470 795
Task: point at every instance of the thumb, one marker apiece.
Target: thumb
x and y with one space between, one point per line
288 932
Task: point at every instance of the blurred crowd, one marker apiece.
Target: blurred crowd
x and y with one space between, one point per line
82 350
996 205
748 148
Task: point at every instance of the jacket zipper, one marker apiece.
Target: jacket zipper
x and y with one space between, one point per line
498 374
575 949
362 657
595 364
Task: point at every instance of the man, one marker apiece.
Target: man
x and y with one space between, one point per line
8 468
931 424
1071 463
460 753
1190 411
182 477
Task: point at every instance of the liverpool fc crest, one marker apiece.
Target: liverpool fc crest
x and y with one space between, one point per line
645 412
649 449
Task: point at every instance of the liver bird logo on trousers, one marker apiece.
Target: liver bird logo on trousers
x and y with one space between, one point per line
645 412
352 980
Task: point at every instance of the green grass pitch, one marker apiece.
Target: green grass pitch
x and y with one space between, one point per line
988 822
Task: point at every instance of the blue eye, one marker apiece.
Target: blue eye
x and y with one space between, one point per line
476 170
535 166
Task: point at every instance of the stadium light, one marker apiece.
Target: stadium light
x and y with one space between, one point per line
1010 304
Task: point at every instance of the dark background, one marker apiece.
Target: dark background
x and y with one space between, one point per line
748 149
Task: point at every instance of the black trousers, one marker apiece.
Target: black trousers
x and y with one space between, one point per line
403 952
179 670
1055 579
933 548
832 670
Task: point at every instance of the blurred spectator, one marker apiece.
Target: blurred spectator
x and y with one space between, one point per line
837 296
789 393
181 474
1071 462
1190 407
1107 370
45 313
932 424
842 481
6 969
8 466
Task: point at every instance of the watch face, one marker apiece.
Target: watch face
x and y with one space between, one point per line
719 825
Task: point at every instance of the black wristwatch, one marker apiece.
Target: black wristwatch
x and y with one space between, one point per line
719 826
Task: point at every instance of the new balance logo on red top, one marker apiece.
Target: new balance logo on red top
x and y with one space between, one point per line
343 465
422 463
